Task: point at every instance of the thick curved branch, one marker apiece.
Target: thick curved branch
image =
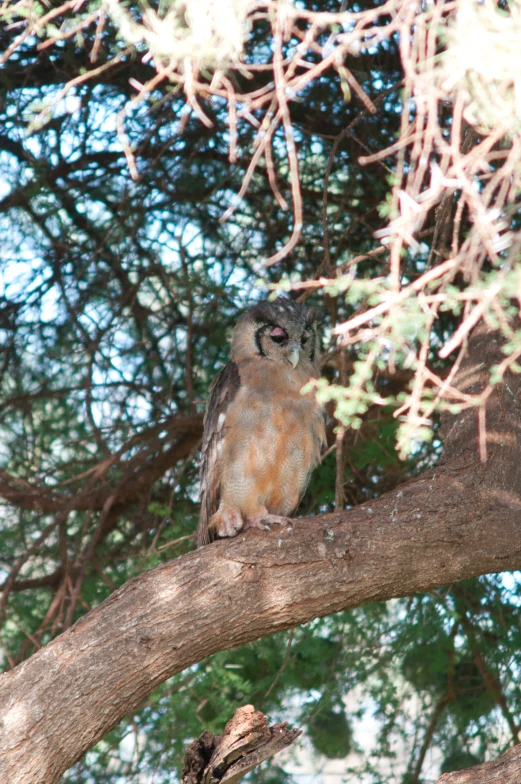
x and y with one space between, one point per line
454 522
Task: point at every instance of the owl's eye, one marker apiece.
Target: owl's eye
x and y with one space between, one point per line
278 335
304 339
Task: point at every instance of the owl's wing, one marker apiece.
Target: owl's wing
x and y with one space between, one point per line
222 393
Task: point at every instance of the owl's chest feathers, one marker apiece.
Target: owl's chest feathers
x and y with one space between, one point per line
274 396
272 431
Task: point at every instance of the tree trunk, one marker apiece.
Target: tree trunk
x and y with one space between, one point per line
456 521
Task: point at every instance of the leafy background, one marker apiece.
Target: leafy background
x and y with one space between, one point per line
117 300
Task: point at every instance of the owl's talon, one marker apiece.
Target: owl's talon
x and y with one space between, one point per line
228 523
277 520
267 520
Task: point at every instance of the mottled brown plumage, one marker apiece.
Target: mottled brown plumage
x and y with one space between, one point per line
262 437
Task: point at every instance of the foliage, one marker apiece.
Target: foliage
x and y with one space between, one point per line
119 285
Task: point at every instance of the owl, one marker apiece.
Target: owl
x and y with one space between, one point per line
262 437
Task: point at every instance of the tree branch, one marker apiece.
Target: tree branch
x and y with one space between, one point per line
503 770
456 521
139 472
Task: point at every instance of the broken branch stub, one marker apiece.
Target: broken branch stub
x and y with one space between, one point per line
247 741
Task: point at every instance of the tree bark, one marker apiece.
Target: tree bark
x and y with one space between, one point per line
456 521
503 770
246 742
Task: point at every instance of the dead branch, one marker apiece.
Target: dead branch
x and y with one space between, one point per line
246 742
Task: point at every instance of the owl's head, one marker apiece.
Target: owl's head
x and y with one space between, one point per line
281 330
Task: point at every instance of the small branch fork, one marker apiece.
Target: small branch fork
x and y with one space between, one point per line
246 742
104 492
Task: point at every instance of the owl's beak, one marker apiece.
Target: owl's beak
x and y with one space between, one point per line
293 354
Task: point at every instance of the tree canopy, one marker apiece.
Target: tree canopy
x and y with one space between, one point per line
154 183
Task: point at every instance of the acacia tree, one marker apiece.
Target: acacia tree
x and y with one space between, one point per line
157 161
